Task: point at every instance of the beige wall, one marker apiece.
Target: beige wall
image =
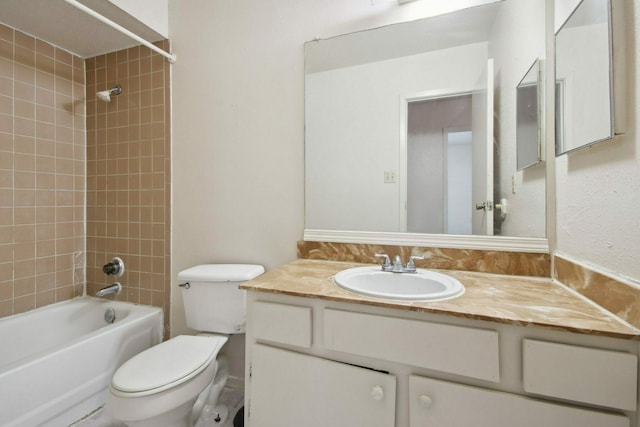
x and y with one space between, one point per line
128 174
42 173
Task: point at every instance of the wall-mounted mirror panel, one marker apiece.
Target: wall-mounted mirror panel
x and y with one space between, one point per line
529 117
584 81
373 159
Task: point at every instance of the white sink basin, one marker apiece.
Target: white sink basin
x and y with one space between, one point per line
424 285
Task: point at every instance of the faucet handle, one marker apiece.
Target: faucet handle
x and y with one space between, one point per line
114 268
411 267
386 264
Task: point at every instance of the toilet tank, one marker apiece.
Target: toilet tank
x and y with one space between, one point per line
212 300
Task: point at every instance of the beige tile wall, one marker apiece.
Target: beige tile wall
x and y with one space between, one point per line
128 165
42 173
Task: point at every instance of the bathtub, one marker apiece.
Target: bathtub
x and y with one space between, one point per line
56 362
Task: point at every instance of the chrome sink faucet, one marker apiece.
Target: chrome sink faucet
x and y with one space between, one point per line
397 266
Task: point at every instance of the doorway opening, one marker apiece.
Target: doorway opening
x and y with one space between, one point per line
439 165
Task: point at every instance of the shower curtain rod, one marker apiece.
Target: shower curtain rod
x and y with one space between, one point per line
170 56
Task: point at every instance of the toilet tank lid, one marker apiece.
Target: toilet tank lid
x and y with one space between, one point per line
221 273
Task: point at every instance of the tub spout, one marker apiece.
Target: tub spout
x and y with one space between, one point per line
114 289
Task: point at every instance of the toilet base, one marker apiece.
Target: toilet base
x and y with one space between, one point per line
230 404
179 417
213 415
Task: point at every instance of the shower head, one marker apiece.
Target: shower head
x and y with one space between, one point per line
105 95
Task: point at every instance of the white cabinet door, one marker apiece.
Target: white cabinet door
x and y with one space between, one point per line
290 389
436 403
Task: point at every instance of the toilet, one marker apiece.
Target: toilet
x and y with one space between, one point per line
169 384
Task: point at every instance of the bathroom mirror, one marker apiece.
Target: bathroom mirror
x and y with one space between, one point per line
584 83
528 118
356 151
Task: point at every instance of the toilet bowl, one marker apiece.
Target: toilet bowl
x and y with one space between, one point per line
159 387
168 385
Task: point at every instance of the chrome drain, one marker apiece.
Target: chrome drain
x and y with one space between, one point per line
110 315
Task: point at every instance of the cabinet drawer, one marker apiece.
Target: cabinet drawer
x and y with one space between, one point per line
281 323
459 350
595 376
441 403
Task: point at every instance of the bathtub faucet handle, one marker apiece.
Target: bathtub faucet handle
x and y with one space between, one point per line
114 289
114 268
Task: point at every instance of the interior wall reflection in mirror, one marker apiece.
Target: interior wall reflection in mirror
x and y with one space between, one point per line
584 104
528 118
357 172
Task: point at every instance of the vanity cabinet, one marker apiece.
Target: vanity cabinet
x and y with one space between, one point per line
316 362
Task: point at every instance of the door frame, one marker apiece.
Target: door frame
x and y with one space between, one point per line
405 99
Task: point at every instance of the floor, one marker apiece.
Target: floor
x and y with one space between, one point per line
232 398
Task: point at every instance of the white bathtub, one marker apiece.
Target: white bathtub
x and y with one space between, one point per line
56 362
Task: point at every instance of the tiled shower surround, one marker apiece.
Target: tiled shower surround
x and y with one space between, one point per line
61 149
128 164
42 173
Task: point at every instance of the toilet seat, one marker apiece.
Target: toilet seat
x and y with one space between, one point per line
166 365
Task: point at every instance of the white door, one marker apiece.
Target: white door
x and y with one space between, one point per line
482 152
290 389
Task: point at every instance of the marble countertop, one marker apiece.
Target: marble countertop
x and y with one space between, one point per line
517 300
